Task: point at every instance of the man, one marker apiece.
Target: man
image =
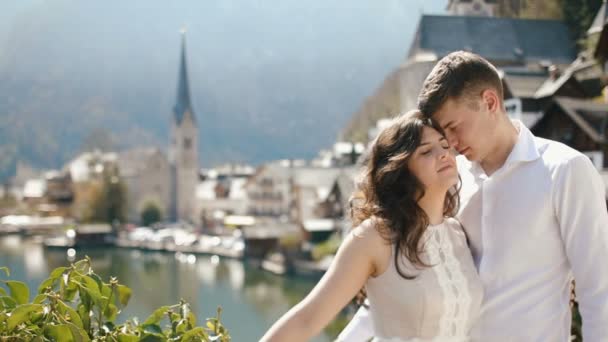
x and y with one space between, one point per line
533 209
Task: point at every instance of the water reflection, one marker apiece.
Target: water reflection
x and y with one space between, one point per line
251 299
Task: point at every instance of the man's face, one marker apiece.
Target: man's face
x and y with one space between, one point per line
468 126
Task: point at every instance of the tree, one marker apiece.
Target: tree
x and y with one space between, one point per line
150 214
109 202
578 15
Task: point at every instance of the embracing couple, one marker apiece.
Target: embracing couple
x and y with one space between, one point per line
479 247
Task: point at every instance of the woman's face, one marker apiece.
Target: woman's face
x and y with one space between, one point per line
433 162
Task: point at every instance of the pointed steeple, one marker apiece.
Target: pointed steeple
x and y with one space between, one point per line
183 104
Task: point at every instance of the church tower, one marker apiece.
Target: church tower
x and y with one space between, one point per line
183 148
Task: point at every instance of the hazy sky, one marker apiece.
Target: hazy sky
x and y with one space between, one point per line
256 62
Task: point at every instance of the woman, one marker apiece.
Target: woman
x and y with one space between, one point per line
407 250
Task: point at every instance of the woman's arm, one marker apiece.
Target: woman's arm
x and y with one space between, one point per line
352 266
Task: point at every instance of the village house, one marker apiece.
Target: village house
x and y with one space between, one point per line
580 124
311 187
598 33
48 194
269 189
336 205
293 192
525 52
221 195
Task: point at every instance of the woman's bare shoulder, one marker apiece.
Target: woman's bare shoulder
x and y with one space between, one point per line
369 240
368 230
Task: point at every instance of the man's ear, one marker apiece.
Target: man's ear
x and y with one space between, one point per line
490 100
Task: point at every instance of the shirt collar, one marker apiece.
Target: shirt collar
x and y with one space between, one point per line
524 150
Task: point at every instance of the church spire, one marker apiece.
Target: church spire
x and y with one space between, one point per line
183 104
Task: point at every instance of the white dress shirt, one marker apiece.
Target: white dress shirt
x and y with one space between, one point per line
536 223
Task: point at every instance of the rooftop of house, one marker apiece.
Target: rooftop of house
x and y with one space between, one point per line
601 20
589 116
521 40
522 84
553 84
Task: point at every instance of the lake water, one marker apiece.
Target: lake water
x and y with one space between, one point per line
251 299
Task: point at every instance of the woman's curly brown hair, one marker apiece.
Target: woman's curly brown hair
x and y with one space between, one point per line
389 193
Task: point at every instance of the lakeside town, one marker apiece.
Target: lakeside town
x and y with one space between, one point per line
289 216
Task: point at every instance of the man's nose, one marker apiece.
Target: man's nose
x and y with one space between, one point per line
452 140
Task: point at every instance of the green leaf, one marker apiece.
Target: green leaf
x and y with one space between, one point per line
192 319
78 333
21 314
153 338
85 298
82 266
104 289
157 315
123 294
174 317
37 316
110 312
127 338
19 291
70 291
59 333
47 283
8 302
194 335
39 299
73 316
55 275
181 327
211 325
92 289
6 270
92 284
58 272
2 292
84 316
152 328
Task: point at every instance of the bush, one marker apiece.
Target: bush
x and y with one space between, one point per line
74 304
328 247
150 214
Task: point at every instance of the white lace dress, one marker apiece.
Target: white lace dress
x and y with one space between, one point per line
440 304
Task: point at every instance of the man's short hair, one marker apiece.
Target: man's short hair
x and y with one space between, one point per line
460 73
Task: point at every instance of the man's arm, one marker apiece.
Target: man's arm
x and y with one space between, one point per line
359 329
580 205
